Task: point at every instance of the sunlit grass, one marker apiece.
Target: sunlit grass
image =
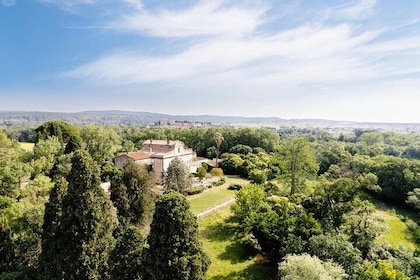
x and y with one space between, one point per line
230 259
27 146
214 196
398 233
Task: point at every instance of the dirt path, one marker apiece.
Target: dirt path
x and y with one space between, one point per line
214 208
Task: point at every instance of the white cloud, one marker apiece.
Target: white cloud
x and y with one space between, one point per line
210 17
9 3
360 9
302 55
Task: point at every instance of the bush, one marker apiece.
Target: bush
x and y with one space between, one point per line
195 191
220 182
217 172
234 187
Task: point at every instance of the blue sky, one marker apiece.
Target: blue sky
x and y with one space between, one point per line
355 60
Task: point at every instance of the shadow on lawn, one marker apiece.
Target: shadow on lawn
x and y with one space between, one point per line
237 252
256 271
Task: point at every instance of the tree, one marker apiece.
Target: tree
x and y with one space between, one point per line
177 176
131 193
363 227
101 142
174 250
201 172
298 162
66 134
126 257
51 231
218 139
212 152
297 267
335 247
240 149
86 224
413 198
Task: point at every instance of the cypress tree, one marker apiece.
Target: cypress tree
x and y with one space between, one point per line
126 257
49 264
131 193
85 225
174 249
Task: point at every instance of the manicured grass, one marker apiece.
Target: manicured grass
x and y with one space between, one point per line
230 259
27 146
214 196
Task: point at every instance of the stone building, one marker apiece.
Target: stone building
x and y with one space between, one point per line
157 154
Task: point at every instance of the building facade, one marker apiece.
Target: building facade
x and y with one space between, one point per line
157 154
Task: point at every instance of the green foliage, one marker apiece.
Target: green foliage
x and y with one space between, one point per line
220 181
126 257
273 225
396 176
216 172
201 172
177 176
195 191
413 198
380 270
335 248
66 134
51 230
241 149
212 152
363 227
101 142
258 176
44 154
231 163
85 227
297 267
174 251
298 162
131 193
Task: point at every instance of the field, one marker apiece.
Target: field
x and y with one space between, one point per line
397 233
214 196
230 259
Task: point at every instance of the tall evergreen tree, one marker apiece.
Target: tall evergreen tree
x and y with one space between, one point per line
49 264
85 226
126 257
174 249
131 193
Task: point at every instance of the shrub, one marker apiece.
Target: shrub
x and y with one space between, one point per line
217 172
234 187
195 191
220 182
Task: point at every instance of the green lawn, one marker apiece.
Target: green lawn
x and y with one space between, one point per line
230 259
27 146
214 196
397 233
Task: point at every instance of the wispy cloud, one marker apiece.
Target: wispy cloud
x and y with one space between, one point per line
210 17
9 3
225 43
360 9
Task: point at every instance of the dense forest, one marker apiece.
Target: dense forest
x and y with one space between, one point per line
310 209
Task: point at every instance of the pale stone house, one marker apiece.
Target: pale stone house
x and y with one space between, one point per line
157 154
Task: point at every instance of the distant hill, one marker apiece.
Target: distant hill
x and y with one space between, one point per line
32 119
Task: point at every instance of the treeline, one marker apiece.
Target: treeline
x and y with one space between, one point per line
309 203
309 211
58 223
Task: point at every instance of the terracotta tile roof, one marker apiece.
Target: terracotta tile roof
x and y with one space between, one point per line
135 155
